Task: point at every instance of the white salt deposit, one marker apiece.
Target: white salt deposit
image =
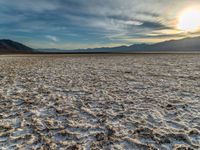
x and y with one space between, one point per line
100 102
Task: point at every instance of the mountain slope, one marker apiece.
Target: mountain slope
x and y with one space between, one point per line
187 44
182 45
8 46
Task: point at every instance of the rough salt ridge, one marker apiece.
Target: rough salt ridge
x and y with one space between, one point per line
100 102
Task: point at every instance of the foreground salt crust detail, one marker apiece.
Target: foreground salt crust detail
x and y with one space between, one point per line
100 102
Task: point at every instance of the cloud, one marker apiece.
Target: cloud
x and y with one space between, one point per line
153 25
133 22
52 38
84 22
26 5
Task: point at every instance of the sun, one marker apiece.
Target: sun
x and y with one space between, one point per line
189 20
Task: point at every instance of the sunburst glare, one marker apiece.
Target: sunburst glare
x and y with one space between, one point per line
189 20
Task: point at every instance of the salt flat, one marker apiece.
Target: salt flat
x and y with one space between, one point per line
100 102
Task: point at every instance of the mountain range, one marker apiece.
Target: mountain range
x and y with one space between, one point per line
182 45
9 47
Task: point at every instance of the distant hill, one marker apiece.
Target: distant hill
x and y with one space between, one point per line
9 47
182 45
185 45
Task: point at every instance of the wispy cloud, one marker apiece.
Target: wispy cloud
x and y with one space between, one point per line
52 38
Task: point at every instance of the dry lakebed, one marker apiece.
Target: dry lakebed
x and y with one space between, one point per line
83 102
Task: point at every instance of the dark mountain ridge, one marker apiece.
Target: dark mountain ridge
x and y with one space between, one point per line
8 46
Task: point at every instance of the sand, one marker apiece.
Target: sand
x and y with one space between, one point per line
100 102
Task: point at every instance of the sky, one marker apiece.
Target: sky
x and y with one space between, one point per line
74 24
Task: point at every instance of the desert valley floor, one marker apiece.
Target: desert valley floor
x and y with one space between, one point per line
100 102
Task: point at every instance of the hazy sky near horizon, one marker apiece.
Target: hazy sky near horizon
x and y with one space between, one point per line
71 24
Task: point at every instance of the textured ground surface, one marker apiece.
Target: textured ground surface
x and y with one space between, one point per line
100 102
